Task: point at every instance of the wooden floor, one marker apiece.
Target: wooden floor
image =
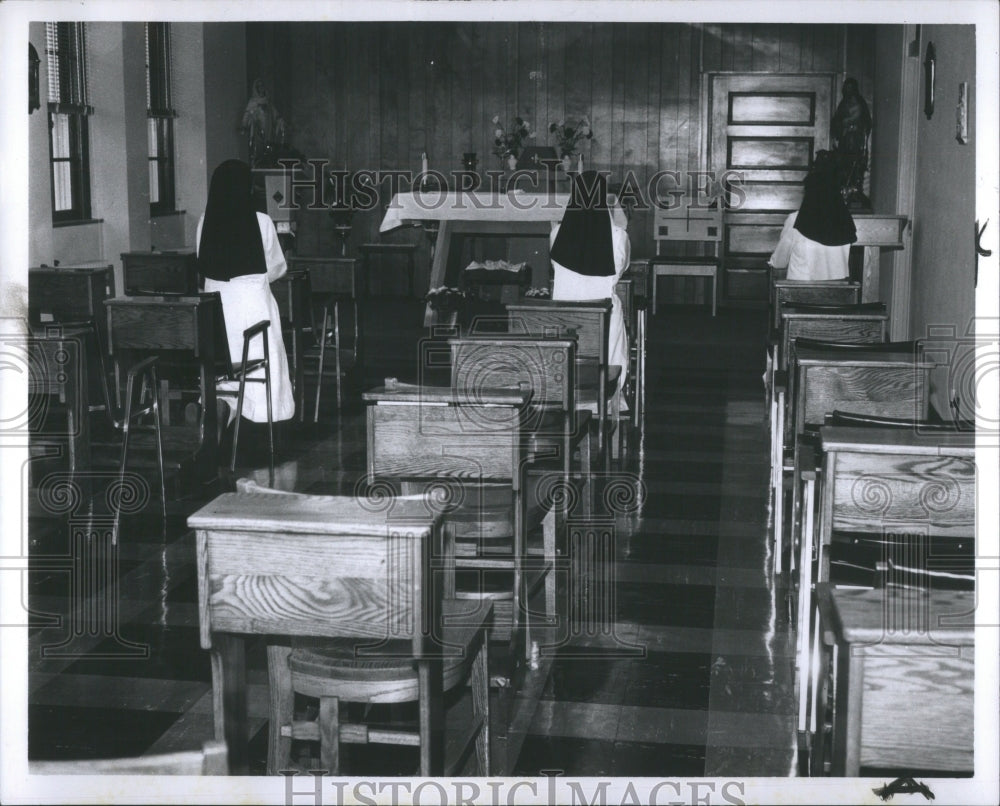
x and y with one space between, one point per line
692 678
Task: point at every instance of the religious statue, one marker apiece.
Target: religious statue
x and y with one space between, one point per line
263 126
851 127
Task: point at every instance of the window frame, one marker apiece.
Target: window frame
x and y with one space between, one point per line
160 117
66 54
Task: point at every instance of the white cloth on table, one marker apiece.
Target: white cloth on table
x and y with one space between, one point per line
807 260
569 286
246 300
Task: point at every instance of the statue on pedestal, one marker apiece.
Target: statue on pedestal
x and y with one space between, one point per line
264 128
850 128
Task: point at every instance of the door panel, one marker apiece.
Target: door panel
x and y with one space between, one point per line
767 127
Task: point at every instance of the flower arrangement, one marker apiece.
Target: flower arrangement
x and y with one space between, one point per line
445 298
538 293
510 144
567 136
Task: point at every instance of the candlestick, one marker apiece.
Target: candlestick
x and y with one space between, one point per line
579 164
423 169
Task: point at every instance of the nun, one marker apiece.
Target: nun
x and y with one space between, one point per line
815 242
239 256
589 252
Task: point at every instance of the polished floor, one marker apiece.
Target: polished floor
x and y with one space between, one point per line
691 674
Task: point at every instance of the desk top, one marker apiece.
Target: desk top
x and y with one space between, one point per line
869 358
439 395
516 205
298 513
897 440
863 616
88 267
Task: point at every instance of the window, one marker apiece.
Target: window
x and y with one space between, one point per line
161 119
69 155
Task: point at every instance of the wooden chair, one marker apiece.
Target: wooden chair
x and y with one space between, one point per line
547 367
241 372
332 281
356 601
834 323
468 457
590 322
687 224
210 760
889 379
554 429
171 272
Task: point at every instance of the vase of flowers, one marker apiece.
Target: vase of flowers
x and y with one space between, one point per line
446 302
508 144
568 136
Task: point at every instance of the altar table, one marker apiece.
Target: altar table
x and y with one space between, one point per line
515 213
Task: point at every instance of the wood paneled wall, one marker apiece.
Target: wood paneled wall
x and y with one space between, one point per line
377 95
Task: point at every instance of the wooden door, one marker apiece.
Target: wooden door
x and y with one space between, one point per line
768 128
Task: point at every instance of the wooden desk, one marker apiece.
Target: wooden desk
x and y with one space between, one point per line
70 294
875 233
238 536
902 666
464 214
59 360
188 327
160 272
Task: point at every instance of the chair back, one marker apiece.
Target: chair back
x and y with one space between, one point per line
160 273
547 366
687 223
845 324
425 432
210 760
851 378
891 480
829 292
589 321
321 566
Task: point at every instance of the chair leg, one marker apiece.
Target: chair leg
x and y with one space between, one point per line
329 734
322 361
236 425
121 464
270 418
280 708
481 704
159 449
336 347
